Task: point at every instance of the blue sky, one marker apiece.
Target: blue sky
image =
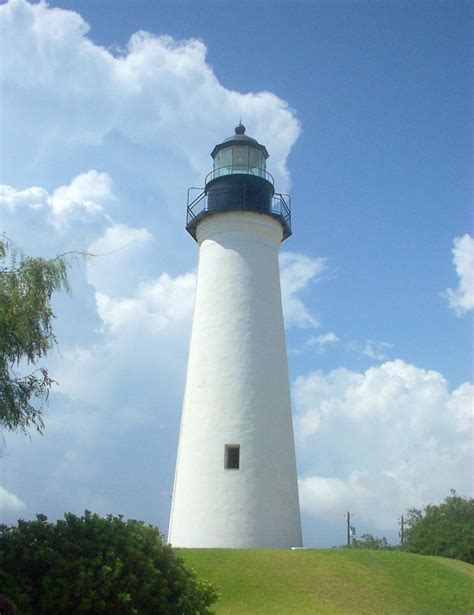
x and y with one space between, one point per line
366 110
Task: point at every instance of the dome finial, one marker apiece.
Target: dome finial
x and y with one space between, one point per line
240 129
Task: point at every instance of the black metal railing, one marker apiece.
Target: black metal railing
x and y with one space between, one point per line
239 169
198 207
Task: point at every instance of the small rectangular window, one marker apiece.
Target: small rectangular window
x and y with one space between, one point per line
232 457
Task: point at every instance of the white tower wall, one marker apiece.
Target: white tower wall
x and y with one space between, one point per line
237 393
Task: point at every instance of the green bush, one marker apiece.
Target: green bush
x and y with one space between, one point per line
368 541
446 529
96 565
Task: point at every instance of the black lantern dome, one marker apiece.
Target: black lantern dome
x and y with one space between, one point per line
239 181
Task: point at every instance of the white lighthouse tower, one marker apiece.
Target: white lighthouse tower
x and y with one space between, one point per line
235 483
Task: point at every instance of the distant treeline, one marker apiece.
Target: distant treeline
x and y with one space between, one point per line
446 529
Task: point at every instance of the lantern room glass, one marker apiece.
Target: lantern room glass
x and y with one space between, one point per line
239 159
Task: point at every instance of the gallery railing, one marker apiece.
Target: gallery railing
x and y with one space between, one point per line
236 199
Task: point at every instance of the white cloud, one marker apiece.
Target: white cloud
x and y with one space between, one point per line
85 195
461 300
297 273
9 502
119 237
120 258
322 340
154 306
145 323
376 349
157 90
86 192
323 497
381 441
34 197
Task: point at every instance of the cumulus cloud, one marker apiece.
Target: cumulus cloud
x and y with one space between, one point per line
154 306
86 192
144 322
381 441
33 197
9 502
298 271
323 496
119 237
461 300
120 258
157 90
149 306
85 195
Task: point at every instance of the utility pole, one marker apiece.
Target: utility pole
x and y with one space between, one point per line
348 519
401 533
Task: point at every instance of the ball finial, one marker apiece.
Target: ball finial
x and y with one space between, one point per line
240 129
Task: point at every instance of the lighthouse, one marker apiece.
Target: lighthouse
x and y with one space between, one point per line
235 484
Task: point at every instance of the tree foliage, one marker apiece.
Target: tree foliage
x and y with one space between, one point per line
26 333
446 529
92 564
368 541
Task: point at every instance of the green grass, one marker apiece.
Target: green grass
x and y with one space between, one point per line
334 581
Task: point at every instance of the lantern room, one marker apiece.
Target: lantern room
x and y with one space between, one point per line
239 181
239 154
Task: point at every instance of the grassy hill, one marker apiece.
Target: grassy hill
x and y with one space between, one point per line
334 582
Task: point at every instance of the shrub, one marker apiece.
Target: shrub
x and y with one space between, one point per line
92 564
368 541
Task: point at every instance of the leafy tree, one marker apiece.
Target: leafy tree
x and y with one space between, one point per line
26 333
446 529
368 541
92 564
